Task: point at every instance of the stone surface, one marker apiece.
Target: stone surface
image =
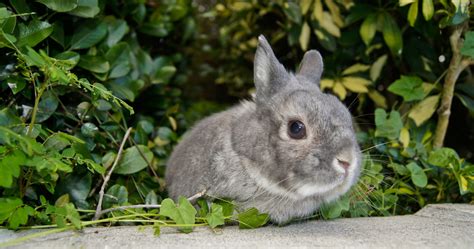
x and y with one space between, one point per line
435 226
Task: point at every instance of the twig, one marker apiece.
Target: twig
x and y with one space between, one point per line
122 208
456 66
109 174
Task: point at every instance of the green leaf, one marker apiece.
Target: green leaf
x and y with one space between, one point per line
251 218
10 167
86 8
34 33
467 101
392 34
388 127
368 28
423 111
413 13
335 209
132 162
20 217
216 216
77 187
69 59
304 36
89 129
428 9
56 142
115 195
293 12
467 48
377 66
183 214
418 176
87 35
119 60
20 7
96 64
409 87
8 206
442 157
400 169
60 5
151 198
47 106
117 28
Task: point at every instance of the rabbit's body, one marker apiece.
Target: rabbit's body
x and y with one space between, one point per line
285 153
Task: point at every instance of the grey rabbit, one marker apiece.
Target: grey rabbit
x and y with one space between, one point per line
285 153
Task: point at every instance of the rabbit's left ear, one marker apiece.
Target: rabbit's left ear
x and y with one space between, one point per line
311 66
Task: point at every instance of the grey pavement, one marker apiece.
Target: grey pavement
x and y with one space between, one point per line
435 226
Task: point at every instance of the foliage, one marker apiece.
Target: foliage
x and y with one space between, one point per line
75 75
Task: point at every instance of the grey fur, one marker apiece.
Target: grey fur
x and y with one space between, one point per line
246 154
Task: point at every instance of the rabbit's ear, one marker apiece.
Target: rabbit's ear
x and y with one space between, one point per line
268 73
311 66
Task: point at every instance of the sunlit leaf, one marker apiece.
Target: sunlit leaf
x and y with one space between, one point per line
356 68
392 34
368 28
428 9
304 36
340 90
377 66
413 13
404 137
356 84
423 111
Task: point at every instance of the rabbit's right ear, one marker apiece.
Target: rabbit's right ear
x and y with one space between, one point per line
268 73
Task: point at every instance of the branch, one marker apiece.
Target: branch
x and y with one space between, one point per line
109 174
456 66
123 208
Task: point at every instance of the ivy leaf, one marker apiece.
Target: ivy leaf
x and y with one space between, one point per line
251 219
20 216
60 5
8 206
424 110
183 214
388 127
132 161
335 209
418 176
216 216
10 167
442 157
116 195
468 46
409 87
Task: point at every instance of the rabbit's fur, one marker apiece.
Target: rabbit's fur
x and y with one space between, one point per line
247 154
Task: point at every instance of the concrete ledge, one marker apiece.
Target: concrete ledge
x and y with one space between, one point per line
435 226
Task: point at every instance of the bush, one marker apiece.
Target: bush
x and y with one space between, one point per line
76 75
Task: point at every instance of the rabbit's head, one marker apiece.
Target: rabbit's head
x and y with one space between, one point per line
303 141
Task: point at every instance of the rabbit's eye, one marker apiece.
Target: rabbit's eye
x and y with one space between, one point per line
296 129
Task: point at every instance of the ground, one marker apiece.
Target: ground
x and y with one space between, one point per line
435 226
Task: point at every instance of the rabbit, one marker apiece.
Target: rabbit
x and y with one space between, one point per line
285 153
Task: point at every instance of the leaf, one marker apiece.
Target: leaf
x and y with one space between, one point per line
442 157
119 60
409 87
468 102
132 161
423 111
356 84
404 137
328 24
388 127
356 68
251 219
305 5
86 8
418 176
304 36
377 67
151 198
428 9
117 28
326 83
96 64
378 98
293 12
77 187
87 35
368 28
413 13
216 216
405 2
400 169
340 90
68 58
10 168
183 214
8 206
60 5
20 217
115 195
34 33
467 48
47 106
392 34
335 209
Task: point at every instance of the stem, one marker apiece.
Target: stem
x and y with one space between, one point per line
35 107
109 174
456 66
